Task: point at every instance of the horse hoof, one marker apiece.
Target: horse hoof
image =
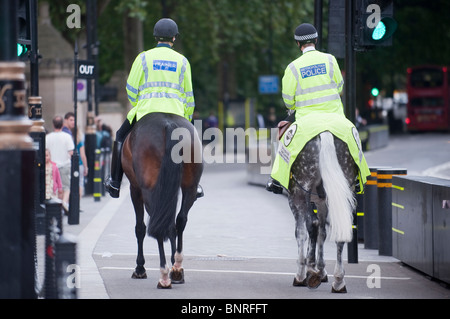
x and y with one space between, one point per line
298 283
343 290
137 275
313 280
177 275
325 279
163 286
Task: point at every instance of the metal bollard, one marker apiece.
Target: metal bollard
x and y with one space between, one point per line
53 229
358 227
97 177
74 199
385 208
371 211
102 171
67 271
352 247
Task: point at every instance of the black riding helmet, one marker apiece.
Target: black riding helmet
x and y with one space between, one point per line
306 33
165 29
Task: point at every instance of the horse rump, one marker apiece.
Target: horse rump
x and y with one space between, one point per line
340 197
163 197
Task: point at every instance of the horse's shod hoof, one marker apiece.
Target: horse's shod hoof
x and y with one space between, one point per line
177 275
313 280
161 286
325 279
298 283
343 290
137 275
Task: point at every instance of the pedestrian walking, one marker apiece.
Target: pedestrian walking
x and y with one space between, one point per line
61 147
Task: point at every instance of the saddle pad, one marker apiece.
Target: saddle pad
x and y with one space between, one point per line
306 128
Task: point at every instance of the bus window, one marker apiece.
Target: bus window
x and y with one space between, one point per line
427 78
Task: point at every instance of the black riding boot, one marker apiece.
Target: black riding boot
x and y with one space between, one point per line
112 183
274 186
200 192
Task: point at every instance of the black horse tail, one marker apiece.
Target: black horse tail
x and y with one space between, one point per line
164 195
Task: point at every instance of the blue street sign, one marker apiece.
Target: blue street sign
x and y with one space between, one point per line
268 84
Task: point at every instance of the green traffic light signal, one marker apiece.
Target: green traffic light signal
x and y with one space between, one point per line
375 92
21 49
384 29
379 31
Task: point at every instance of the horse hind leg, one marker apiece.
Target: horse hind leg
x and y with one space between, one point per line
164 281
338 285
321 237
177 271
313 275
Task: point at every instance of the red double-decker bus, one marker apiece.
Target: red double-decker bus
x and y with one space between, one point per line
428 107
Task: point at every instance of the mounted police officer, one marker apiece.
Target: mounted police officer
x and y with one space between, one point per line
159 81
311 83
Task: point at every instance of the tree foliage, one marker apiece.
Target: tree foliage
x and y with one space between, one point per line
238 40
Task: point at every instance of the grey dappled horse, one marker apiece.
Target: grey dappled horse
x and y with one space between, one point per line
324 174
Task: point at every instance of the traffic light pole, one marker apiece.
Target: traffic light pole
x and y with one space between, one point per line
350 101
74 198
91 136
37 131
350 63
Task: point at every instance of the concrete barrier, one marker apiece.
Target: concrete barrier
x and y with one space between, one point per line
374 136
421 224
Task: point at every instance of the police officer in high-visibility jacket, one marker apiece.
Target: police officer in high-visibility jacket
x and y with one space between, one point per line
159 81
311 83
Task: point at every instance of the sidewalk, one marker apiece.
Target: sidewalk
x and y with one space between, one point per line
94 217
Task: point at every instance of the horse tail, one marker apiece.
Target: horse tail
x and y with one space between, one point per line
340 198
164 196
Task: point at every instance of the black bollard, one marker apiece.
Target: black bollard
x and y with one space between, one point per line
97 177
74 199
53 229
360 216
371 211
352 247
37 133
67 271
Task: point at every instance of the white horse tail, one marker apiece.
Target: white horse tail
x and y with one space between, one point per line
340 198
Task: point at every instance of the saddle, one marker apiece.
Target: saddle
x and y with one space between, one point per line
282 127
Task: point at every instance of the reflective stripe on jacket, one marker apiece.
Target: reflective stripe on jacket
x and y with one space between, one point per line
160 81
313 82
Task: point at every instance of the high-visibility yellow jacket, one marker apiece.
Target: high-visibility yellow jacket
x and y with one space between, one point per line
311 86
160 81
312 83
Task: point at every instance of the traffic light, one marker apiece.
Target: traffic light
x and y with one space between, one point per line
374 23
23 28
375 92
22 50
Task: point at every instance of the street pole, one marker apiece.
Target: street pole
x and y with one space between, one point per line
37 131
349 103
17 155
350 63
74 198
90 141
318 4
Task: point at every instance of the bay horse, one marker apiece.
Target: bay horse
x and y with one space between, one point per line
156 175
323 174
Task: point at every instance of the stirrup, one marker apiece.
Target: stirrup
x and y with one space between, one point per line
111 188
